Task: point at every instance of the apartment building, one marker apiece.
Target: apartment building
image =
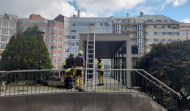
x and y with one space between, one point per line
148 29
8 24
53 36
76 25
184 31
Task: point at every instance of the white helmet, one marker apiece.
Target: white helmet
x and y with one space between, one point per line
80 52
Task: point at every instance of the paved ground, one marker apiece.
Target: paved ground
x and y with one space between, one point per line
110 85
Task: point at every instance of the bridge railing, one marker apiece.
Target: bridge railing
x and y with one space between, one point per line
27 82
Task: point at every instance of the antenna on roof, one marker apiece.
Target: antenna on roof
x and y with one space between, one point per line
128 14
141 14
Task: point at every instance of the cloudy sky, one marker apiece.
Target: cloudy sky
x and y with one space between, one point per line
176 9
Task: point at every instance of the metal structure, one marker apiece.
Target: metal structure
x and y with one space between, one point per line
90 56
24 82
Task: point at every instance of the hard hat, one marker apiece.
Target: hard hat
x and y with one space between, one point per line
80 52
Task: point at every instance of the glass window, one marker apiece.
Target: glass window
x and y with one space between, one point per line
131 21
165 26
174 40
150 40
182 33
4 31
150 33
188 32
159 33
3 46
12 25
158 20
174 26
149 20
5 24
150 26
73 31
159 26
160 40
174 34
166 40
166 33
5 39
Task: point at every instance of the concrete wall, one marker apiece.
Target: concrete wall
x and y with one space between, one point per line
79 102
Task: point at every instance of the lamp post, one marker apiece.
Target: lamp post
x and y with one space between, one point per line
41 37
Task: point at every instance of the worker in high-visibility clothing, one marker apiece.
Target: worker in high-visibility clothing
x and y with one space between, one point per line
79 65
100 70
69 78
64 65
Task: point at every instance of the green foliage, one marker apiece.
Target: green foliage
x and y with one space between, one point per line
22 52
170 63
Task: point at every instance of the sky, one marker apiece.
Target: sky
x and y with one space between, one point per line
49 9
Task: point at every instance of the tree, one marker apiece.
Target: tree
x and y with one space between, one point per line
170 63
22 51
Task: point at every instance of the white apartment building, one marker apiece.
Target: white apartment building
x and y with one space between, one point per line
184 31
148 29
8 25
73 26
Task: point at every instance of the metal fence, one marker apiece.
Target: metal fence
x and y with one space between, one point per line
26 82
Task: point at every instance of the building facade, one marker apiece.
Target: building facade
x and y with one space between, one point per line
53 36
8 24
184 31
76 25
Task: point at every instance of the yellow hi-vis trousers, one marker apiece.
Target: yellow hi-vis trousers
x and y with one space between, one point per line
79 79
100 77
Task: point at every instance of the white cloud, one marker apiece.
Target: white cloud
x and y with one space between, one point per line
106 7
179 2
46 8
186 20
174 2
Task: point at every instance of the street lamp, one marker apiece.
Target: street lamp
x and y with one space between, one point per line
41 37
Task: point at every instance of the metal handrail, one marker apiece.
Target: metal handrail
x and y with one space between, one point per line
137 70
161 83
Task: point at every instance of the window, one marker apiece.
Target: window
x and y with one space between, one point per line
150 33
166 33
149 20
3 46
53 47
73 31
12 25
160 40
174 34
182 33
158 20
174 26
132 21
125 20
174 40
188 32
150 26
5 24
4 31
159 33
150 40
166 40
4 39
165 26
159 26
73 37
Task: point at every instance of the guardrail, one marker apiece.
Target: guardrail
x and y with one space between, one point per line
26 82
